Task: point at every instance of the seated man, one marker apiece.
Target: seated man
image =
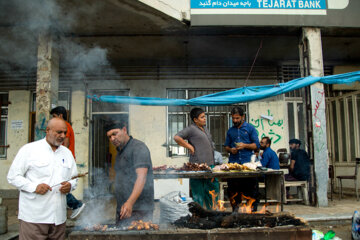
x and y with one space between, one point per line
300 163
269 157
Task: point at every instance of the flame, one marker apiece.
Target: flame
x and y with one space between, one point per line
219 205
263 209
247 207
232 199
277 207
213 196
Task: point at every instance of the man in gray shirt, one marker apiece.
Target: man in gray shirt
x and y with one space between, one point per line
134 182
201 148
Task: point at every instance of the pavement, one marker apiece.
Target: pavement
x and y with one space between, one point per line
337 216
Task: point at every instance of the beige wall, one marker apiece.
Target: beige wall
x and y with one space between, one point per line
277 128
18 111
346 69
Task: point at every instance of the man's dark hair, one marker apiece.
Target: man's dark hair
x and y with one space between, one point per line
268 140
294 140
59 110
195 112
114 125
237 110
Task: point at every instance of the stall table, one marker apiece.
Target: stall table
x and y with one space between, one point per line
274 179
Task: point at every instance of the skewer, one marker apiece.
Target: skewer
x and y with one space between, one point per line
77 176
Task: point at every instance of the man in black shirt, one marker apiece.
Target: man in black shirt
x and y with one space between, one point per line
300 163
134 182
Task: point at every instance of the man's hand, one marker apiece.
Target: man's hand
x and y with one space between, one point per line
65 188
42 188
240 146
191 149
126 210
233 150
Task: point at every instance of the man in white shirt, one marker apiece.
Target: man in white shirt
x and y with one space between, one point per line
42 171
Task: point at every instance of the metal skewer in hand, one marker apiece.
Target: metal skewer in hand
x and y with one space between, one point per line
77 176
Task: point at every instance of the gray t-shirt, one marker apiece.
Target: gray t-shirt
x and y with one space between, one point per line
201 140
134 155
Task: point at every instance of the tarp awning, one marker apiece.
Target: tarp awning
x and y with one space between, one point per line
233 96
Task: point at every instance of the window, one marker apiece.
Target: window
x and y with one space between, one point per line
343 130
3 124
218 119
296 120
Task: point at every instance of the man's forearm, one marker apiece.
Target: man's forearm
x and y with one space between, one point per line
228 149
182 142
250 146
138 188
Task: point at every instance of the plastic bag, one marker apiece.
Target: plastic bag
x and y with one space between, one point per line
173 206
330 235
317 235
355 226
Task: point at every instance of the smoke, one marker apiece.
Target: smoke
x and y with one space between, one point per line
100 205
22 21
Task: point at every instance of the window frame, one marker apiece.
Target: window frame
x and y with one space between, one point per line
4 118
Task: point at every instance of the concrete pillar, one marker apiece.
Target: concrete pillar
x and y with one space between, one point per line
3 218
312 49
47 83
81 130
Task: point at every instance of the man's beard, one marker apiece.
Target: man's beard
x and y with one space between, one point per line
58 143
262 148
236 124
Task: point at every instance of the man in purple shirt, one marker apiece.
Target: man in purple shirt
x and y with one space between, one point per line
241 141
269 157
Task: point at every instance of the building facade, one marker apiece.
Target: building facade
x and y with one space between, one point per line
70 51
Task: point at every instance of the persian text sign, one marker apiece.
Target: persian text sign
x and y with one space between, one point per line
301 13
258 4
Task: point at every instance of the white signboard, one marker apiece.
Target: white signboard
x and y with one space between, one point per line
17 124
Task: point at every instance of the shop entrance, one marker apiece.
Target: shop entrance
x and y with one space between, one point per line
103 153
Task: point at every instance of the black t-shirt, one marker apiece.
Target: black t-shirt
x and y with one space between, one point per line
134 155
302 165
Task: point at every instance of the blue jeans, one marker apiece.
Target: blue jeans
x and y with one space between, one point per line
72 202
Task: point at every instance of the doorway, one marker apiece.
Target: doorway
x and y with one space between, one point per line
103 153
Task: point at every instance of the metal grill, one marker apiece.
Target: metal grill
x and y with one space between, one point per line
291 72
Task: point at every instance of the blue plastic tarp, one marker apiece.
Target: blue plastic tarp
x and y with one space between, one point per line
233 96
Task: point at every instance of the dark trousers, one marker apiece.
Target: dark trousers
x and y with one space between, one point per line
249 187
135 216
72 202
41 231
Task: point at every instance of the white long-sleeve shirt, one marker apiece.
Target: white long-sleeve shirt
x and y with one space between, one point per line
37 163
